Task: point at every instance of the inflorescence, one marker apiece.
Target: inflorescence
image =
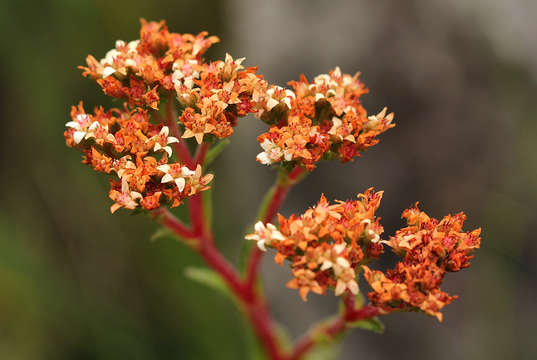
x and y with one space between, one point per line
328 244
139 145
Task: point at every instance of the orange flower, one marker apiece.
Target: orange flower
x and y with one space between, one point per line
429 249
325 244
126 145
319 120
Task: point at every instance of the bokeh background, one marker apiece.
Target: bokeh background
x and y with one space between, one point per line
461 77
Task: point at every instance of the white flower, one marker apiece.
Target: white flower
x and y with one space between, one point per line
339 260
85 130
184 73
346 279
132 47
110 57
175 173
374 120
107 71
271 153
265 235
238 62
369 233
337 72
162 140
278 94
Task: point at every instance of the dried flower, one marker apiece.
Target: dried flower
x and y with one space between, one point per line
429 249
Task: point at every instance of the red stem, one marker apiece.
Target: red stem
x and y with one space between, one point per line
195 207
253 303
201 151
220 265
262 324
276 202
338 326
171 222
196 202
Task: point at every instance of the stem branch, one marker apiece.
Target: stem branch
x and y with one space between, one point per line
334 328
278 193
167 219
253 303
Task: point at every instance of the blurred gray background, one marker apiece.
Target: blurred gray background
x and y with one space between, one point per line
461 77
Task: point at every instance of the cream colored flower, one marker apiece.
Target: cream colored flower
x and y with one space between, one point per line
265 235
271 154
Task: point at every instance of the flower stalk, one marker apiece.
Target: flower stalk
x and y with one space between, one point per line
144 152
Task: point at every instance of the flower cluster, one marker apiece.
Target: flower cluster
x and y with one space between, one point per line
429 249
125 143
215 95
326 243
135 143
174 102
316 121
137 70
319 120
212 94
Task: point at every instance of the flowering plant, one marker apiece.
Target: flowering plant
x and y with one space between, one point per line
177 114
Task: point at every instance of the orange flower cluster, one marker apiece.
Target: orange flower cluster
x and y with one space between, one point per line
319 120
138 69
215 95
326 243
125 143
429 249
212 94
133 143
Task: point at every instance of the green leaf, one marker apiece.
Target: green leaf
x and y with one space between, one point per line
165 233
215 151
372 324
208 278
283 335
162 233
255 349
324 351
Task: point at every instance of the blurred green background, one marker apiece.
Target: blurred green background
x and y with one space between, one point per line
461 77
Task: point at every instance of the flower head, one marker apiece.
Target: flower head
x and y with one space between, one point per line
429 249
325 244
320 120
